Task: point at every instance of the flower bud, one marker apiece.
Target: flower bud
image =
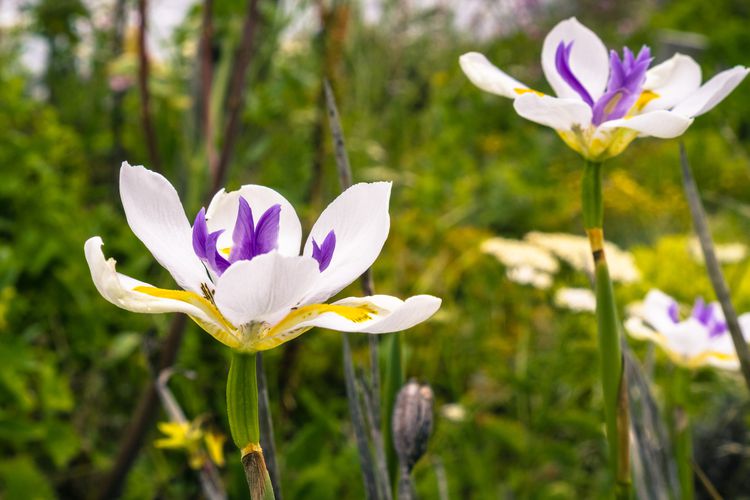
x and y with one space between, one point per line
412 422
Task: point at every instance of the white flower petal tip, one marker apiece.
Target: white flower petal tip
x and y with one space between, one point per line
661 124
712 92
560 114
488 77
672 81
576 299
589 59
360 221
155 214
222 214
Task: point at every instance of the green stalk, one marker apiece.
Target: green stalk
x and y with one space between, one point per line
682 435
613 383
394 380
242 411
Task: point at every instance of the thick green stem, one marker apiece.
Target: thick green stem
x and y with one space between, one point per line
242 411
682 436
394 379
608 326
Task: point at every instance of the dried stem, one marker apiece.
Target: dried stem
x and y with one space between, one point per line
206 80
236 96
143 415
365 459
712 265
266 429
345 180
143 74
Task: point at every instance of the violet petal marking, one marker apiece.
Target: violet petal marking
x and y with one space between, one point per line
626 79
267 231
562 64
701 312
673 312
242 235
200 234
204 245
218 263
324 253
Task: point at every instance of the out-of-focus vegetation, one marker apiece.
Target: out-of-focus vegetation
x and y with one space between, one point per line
522 371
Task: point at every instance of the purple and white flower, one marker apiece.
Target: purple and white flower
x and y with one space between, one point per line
604 101
698 339
239 266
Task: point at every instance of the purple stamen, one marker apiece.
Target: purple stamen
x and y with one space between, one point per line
626 79
248 240
324 253
562 64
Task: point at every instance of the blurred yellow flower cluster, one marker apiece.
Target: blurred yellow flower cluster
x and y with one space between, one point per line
200 445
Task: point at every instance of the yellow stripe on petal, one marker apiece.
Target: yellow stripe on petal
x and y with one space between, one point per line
646 97
286 329
522 91
223 331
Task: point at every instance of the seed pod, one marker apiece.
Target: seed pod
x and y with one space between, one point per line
412 422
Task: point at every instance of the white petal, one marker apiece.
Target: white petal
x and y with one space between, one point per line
489 77
673 80
264 288
155 214
560 114
687 339
360 220
392 314
118 288
589 60
222 214
662 124
639 330
744 321
655 310
712 92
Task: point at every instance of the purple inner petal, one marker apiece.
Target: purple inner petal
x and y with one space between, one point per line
324 253
626 79
562 64
267 232
248 239
708 316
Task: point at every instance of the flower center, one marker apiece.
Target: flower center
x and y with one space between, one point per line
248 238
624 88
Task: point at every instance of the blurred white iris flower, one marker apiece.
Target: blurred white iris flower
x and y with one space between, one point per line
604 100
239 266
698 339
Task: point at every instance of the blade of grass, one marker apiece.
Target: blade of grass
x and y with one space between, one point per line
345 180
266 429
700 224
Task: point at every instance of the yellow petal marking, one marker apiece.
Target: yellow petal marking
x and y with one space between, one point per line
522 91
223 331
287 329
646 97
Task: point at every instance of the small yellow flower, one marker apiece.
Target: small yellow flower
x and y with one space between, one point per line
190 437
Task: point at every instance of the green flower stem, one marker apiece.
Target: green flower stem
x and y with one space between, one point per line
242 411
608 325
394 380
682 435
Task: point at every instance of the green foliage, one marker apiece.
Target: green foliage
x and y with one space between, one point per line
464 167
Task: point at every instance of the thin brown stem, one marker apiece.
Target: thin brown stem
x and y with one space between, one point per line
712 265
143 76
206 81
236 95
143 416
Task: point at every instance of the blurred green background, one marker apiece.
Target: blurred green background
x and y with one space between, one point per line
465 167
